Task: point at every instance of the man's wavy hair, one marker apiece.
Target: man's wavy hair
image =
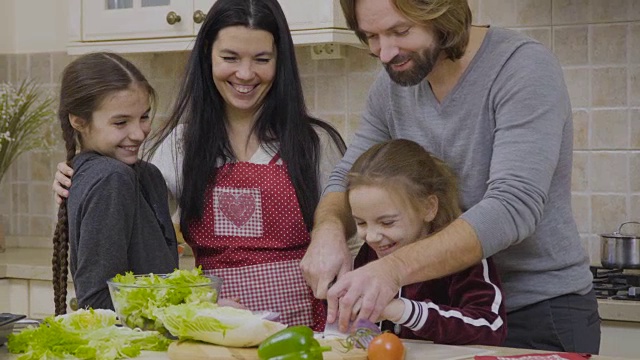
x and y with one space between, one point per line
451 20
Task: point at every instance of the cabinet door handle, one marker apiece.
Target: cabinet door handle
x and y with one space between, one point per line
198 16
173 18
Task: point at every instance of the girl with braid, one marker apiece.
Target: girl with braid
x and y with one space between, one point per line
116 218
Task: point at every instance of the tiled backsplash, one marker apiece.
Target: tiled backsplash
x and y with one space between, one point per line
597 42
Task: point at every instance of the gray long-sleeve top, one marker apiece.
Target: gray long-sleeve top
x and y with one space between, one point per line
118 221
506 130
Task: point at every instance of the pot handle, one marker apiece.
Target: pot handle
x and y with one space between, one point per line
625 223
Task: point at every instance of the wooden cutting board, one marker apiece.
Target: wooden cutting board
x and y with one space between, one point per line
190 350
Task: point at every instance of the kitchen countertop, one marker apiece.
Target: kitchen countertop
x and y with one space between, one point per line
35 264
497 351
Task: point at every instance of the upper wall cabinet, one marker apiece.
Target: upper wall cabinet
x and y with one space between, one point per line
171 25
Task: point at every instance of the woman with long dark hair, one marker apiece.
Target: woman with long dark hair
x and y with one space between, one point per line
246 160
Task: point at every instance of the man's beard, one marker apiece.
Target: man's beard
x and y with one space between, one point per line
423 64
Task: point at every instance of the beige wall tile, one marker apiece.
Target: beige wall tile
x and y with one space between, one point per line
580 130
609 87
19 199
40 226
41 200
4 68
359 60
168 66
570 12
23 222
474 5
608 44
580 173
309 91
609 10
331 94
634 42
533 12
577 80
331 67
41 68
37 240
607 212
5 198
634 207
357 89
634 172
634 125
581 205
610 129
594 249
353 120
571 44
41 169
58 63
142 61
634 85
634 10
499 12
22 165
602 167
166 93
584 241
20 67
338 121
13 171
541 34
306 66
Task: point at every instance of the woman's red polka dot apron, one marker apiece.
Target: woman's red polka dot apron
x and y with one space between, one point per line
253 235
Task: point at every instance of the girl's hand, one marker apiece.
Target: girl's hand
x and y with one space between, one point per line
393 312
62 181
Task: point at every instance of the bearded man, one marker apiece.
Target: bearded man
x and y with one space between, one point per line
493 104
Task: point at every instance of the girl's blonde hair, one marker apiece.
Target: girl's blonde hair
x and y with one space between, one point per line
408 170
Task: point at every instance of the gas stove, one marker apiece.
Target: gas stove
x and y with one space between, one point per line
616 284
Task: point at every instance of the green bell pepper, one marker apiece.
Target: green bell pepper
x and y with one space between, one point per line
292 343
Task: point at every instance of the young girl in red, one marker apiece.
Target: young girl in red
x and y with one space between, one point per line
399 194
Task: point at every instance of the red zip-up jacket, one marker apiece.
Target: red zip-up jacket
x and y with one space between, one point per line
460 309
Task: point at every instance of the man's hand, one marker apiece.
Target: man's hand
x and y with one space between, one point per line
372 287
62 181
327 258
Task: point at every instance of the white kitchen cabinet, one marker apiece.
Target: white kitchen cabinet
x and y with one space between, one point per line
14 296
171 25
620 339
139 19
41 302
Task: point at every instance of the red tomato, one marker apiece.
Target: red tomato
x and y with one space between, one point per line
386 346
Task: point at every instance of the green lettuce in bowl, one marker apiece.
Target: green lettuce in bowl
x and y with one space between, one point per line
137 297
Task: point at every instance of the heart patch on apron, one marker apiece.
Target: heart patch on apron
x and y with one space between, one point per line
238 209
238 212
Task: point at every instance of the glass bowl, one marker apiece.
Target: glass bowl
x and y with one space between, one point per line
136 304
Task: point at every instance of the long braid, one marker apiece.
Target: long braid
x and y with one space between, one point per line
60 260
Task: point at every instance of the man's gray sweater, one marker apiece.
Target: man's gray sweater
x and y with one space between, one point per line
506 130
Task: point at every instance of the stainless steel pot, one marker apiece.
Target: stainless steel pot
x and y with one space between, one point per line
620 250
